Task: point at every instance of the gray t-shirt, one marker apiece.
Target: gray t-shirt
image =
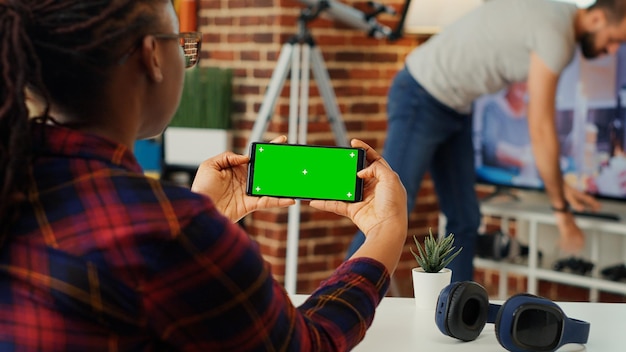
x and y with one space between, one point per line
490 48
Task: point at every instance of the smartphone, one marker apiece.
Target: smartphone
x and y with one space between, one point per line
305 171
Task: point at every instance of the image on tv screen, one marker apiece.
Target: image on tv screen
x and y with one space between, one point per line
590 118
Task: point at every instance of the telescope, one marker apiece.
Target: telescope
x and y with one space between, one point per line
354 18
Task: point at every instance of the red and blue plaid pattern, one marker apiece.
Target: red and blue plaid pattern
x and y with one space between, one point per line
103 258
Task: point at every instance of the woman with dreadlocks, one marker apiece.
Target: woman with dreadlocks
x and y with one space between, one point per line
96 256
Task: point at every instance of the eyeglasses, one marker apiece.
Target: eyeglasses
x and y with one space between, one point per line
190 44
188 41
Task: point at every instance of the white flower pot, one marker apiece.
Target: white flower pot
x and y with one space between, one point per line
427 286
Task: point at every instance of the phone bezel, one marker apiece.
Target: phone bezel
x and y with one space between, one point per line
358 191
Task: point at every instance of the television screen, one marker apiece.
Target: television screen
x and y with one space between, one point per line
590 118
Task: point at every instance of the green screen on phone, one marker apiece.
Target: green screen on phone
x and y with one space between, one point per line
306 172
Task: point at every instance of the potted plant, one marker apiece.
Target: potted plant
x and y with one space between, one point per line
432 275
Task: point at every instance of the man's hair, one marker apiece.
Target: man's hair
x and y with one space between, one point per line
615 10
61 50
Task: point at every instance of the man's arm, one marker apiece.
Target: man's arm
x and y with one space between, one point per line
542 84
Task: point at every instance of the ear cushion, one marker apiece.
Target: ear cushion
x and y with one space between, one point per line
499 315
467 311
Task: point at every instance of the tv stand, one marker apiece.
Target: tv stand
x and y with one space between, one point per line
501 192
535 226
597 215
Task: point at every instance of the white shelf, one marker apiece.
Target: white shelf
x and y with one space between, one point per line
531 212
551 275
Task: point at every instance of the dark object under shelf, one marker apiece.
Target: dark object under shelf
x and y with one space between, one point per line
615 272
574 265
500 246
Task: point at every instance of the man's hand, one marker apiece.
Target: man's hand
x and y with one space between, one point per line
578 200
571 239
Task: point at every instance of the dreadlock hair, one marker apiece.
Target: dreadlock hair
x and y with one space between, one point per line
61 50
615 10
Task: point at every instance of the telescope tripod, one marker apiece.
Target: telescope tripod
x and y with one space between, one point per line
300 55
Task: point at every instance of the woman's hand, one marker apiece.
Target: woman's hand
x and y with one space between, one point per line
223 179
384 196
381 215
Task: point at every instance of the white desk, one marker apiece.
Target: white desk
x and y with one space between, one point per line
399 326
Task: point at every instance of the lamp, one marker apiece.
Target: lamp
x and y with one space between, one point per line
429 16
580 3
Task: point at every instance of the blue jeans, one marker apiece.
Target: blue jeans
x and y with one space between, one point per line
425 135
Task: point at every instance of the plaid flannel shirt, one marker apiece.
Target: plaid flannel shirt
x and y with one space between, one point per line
103 258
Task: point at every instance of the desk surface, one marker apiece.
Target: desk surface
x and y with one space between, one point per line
399 326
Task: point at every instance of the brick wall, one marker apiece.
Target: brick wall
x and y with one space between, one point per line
247 36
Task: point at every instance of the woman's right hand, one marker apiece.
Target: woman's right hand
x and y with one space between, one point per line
381 215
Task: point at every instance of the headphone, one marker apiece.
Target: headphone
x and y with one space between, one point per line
463 309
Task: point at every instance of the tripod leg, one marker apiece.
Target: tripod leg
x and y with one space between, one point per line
328 95
273 90
294 92
299 78
293 215
289 55
293 240
304 94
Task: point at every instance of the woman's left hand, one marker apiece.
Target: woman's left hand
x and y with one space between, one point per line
223 179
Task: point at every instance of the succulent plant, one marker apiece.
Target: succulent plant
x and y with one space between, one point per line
437 252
